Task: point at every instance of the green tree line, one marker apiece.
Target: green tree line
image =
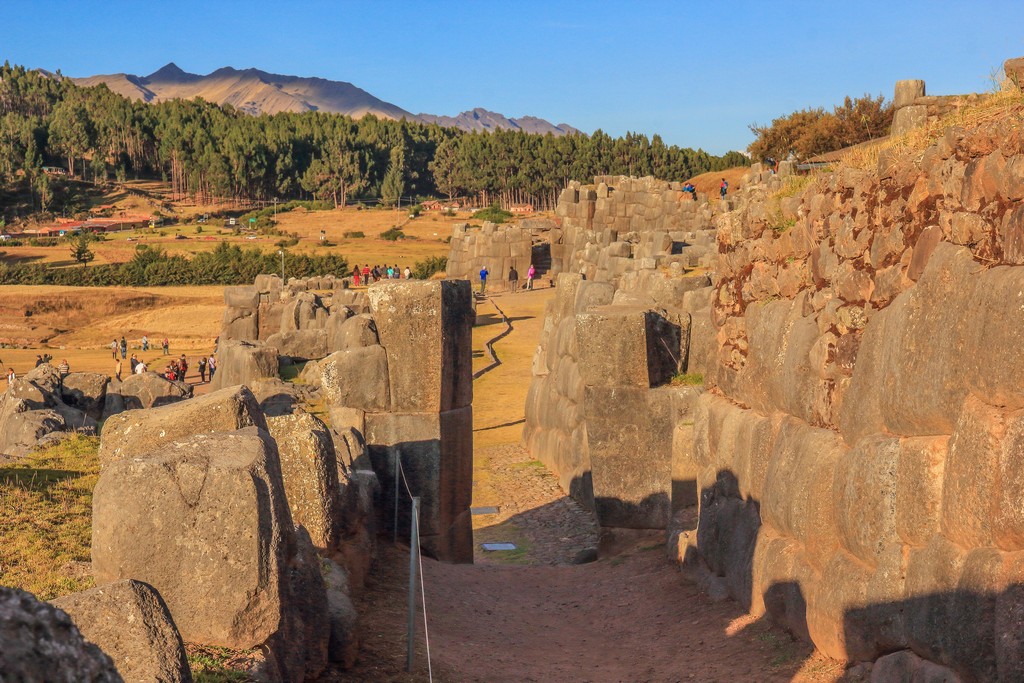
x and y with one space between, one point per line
153 267
210 152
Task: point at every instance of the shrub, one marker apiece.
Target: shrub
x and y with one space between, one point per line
353 234
432 264
393 235
493 213
287 242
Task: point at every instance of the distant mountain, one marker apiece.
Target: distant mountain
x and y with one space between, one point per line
250 90
258 92
481 119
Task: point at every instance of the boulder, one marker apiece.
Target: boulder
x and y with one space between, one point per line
238 323
309 469
351 332
306 344
356 378
242 362
136 432
130 621
150 390
39 642
276 397
86 391
426 327
205 521
21 430
1014 70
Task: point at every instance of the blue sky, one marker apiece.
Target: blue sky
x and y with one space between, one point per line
696 73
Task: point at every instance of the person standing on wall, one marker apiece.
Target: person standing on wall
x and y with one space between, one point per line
723 188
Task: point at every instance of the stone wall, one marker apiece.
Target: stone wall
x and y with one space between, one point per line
858 453
627 316
498 248
393 364
915 109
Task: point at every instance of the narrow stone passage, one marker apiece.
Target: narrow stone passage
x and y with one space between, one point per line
530 614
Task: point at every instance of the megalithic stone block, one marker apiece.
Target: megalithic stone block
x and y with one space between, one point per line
627 346
436 452
426 328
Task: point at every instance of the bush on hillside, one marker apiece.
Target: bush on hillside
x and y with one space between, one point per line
392 235
810 132
494 214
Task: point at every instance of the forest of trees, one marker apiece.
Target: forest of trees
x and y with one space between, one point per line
209 152
810 132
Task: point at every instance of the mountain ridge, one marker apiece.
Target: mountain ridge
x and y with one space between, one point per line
255 92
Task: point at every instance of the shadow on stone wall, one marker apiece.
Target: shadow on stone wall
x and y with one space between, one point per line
977 634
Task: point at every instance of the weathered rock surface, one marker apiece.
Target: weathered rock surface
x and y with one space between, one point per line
243 362
309 468
150 390
86 391
39 642
130 622
136 433
205 521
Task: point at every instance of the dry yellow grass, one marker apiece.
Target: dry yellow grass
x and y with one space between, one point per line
46 518
973 111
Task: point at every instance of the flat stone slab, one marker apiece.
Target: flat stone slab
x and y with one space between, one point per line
489 510
498 546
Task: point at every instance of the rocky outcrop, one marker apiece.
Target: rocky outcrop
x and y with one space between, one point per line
244 362
130 621
39 642
151 390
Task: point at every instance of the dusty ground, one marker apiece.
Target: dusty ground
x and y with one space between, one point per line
529 615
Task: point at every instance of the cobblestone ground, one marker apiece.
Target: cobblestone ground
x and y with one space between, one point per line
550 527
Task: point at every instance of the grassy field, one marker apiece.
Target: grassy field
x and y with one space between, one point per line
46 518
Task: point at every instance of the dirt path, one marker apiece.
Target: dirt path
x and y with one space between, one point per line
531 615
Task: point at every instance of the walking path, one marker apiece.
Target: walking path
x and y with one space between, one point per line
531 615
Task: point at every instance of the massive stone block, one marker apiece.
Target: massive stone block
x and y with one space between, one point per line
436 452
300 344
629 432
426 328
309 469
205 521
243 362
623 346
130 621
139 432
357 378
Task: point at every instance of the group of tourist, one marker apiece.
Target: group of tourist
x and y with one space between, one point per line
366 274
176 370
122 346
513 278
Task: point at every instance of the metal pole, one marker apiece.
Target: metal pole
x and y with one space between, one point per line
414 552
398 466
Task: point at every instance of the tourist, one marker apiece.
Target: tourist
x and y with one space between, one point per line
211 366
397 272
133 363
356 272
140 367
390 272
145 343
408 273
124 348
62 371
10 377
483 280
513 278
723 188
39 360
166 346
113 348
530 274
376 273
366 275
117 369
202 370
